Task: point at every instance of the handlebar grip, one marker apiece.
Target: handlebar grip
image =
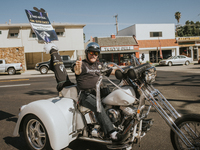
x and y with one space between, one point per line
136 72
119 75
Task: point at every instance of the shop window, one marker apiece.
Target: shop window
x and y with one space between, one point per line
125 58
155 34
13 33
185 51
154 56
195 54
118 58
60 31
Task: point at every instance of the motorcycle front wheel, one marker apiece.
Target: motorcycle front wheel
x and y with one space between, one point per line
35 133
190 126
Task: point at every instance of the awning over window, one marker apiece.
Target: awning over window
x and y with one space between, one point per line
13 30
60 30
157 43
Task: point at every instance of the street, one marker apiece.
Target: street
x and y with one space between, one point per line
179 84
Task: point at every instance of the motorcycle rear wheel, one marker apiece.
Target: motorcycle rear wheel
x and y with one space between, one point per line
193 120
35 133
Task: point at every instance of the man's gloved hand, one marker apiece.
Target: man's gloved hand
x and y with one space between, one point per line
78 66
49 46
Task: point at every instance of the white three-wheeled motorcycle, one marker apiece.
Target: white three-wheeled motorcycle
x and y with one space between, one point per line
54 123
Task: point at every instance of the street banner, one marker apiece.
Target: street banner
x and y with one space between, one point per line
161 55
41 26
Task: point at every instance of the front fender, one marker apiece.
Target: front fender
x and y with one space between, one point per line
56 115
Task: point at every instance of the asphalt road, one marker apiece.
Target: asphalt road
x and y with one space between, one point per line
179 84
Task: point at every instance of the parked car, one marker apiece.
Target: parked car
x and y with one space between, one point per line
10 68
43 67
176 60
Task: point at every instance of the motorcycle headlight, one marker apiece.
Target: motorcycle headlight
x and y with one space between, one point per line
150 75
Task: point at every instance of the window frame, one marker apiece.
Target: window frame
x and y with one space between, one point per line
156 34
60 31
13 33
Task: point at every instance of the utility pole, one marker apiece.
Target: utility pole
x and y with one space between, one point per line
116 18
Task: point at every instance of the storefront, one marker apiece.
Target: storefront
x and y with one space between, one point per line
154 56
189 46
117 49
152 49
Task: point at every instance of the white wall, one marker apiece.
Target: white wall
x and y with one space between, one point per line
130 31
71 40
142 31
9 42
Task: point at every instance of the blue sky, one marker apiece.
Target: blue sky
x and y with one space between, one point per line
98 14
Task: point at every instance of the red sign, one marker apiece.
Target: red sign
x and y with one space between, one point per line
161 56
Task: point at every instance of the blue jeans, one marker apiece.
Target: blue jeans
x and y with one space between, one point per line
88 100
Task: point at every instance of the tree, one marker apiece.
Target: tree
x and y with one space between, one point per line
177 16
189 29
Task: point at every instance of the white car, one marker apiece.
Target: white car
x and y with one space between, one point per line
10 68
176 60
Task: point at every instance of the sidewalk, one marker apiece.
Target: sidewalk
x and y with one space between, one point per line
30 74
194 67
34 72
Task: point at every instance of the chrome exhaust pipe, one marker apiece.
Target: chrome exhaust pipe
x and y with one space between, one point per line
95 140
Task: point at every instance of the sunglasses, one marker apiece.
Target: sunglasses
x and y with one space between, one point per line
94 53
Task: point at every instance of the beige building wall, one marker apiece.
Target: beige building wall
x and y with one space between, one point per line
33 58
13 55
69 43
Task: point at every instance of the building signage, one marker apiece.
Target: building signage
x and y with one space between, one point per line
117 48
188 38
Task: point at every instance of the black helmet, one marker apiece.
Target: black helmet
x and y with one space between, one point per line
92 47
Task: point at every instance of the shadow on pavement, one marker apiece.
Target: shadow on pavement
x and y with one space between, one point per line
185 102
5 115
17 142
12 119
86 145
41 92
194 79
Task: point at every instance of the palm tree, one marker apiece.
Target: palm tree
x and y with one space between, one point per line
177 16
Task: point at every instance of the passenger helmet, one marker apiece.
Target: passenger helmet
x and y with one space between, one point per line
92 47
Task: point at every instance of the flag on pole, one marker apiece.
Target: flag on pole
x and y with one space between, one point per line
161 56
41 26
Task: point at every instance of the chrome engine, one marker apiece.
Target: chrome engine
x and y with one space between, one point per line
129 110
114 115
